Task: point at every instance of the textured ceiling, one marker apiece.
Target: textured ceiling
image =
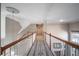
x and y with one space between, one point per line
42 12
49 12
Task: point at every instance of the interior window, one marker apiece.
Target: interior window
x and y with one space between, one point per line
57 45
75 39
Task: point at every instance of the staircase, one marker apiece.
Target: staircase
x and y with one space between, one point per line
40 48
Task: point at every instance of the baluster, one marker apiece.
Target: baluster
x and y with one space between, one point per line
17 50
0 51
10 51
14 50
4 53
45 36
50 41
32 39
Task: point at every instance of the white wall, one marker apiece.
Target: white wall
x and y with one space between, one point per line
12 27
3 21
74 26
29 28
59 30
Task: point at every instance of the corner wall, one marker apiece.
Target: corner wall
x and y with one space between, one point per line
12 27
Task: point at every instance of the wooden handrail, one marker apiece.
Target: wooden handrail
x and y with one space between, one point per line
13 43
66 42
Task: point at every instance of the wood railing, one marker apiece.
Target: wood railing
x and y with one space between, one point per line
74 45
2 49
14 42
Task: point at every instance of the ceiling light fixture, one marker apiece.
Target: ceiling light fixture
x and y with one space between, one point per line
12 10
61 20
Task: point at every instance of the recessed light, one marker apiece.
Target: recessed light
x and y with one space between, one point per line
61 20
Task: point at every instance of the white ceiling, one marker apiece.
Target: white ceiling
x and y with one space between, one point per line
43 12
49 12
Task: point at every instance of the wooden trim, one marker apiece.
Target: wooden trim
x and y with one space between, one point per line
13 43
74 31
66 42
